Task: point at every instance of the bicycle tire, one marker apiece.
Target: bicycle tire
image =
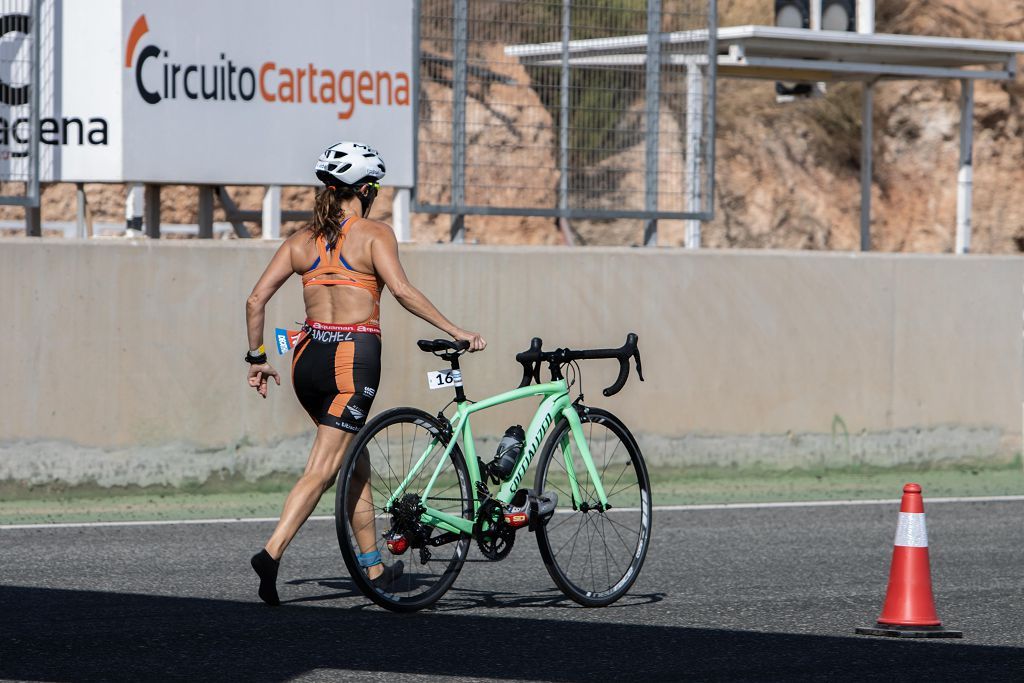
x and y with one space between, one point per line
419 587
630 506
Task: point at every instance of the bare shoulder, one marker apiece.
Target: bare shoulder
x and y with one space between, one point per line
299 237
298 244
376 229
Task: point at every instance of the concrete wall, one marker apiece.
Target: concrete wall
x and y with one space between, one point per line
116 350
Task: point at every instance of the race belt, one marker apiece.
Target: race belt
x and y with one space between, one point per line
333 327
321 332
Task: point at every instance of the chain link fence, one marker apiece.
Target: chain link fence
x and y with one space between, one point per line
572 109
19 102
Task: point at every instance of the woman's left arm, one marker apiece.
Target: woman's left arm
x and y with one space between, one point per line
279 270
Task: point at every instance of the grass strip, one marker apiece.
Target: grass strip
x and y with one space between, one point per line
671 486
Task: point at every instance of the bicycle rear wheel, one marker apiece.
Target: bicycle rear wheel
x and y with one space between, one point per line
380 459
594 556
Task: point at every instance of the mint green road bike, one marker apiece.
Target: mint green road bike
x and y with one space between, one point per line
413 485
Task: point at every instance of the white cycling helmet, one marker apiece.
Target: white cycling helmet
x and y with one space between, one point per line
349 163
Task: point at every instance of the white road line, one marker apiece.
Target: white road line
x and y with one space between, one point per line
657 508
159 522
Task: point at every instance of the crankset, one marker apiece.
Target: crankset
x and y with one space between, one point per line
496 541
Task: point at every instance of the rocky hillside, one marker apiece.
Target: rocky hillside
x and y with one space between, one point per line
787 174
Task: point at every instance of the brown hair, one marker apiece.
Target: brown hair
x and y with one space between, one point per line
328 212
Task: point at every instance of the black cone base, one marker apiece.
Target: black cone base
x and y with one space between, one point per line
908 631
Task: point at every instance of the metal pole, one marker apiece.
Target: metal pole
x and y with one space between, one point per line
80 210
563 110
205 212
35 98
708 140
152 211
33 221
134 202
965 176
458 223
694 134
417 56
866 24
653 106
400 215
271 224
815 12
865 16
866 135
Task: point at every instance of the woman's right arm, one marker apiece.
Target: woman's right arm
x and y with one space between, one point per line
279 270
384 253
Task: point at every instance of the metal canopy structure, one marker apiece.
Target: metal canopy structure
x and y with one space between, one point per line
792 54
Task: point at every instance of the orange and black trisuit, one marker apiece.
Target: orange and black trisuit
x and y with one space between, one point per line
336 368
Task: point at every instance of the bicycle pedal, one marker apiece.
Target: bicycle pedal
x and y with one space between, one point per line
528 509
517 519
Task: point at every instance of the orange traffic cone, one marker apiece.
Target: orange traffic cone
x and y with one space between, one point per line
909 609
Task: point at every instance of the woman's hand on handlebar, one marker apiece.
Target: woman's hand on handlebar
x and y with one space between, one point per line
258 375
476 342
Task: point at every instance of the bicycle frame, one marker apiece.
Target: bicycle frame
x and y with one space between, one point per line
555 403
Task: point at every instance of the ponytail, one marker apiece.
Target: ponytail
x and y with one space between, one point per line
328 212
328 209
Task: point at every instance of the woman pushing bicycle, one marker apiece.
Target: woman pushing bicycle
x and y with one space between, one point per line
344 258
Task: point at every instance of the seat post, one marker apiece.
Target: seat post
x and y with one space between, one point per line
460 395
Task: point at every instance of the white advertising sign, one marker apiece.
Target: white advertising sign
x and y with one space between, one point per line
225 92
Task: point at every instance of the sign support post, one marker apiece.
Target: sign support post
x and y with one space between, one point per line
205 214
400 219
271 228
152 211
965 176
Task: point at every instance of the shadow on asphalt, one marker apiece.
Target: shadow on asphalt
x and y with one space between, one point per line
48 634
459 599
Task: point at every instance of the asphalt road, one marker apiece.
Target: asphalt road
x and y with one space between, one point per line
752 594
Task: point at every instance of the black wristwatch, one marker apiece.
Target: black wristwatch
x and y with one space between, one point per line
258 358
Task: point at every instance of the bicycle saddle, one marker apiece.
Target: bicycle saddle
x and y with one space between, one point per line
441 345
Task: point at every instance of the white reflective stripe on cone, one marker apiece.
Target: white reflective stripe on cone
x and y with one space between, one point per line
911 530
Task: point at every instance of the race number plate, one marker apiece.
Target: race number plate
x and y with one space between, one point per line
444 379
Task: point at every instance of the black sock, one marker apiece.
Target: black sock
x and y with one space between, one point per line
266 568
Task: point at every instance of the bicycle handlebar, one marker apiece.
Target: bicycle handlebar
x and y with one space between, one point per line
534 356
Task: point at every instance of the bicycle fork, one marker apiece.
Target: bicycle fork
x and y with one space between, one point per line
576 429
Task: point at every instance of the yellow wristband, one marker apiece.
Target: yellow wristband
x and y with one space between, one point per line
259 352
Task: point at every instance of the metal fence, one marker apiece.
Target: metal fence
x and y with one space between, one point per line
20 22
574 109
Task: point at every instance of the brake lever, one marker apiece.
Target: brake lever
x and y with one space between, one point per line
639 368
527 376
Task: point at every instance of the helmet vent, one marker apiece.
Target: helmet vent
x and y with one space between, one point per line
344 168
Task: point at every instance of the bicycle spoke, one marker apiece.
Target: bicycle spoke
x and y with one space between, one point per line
617 479
575 538
392 457
623 526
592 560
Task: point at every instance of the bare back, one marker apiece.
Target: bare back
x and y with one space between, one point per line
335 303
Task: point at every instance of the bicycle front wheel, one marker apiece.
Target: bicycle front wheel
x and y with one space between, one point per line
595 554
380 500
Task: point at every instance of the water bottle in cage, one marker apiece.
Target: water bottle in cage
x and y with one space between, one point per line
509 448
